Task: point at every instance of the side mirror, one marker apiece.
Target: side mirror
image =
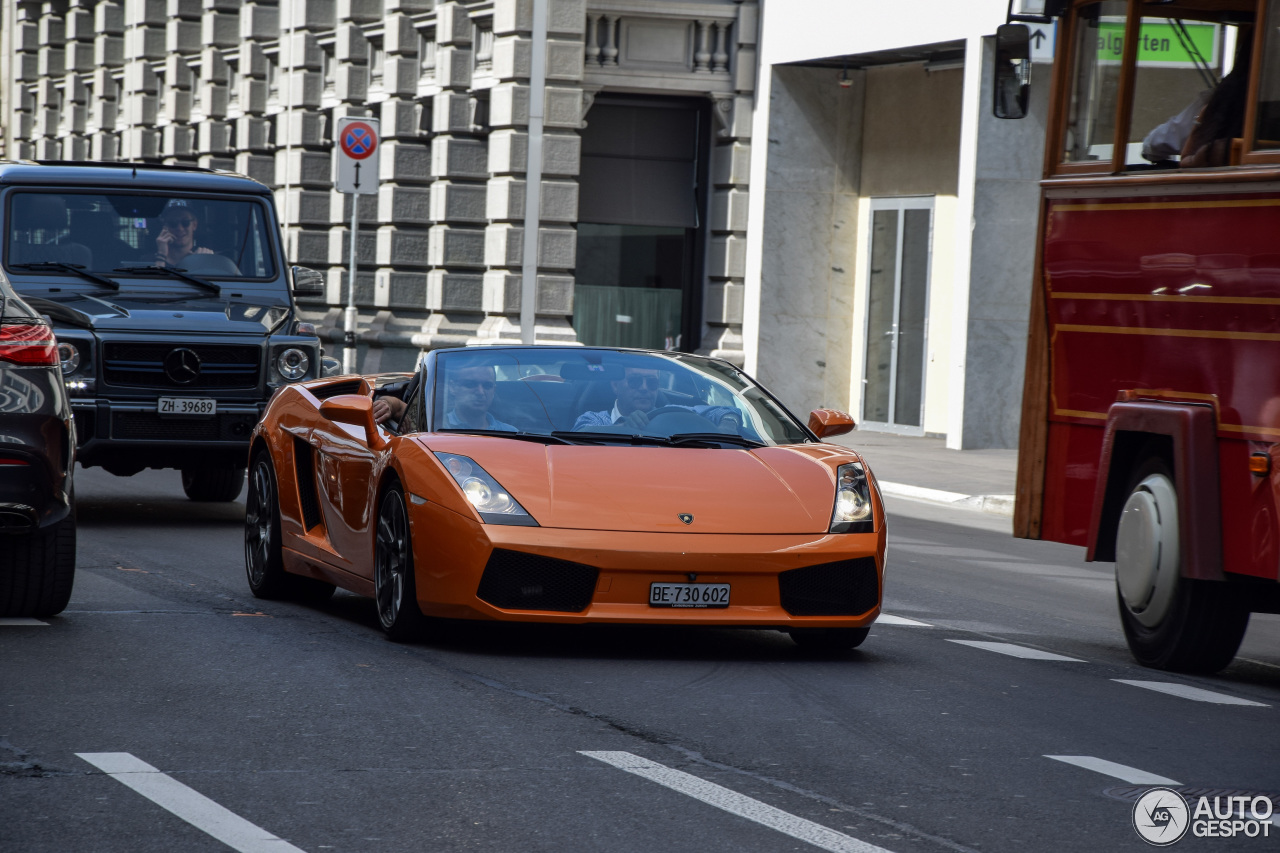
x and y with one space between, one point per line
1012 84
357 410
825 423
307 282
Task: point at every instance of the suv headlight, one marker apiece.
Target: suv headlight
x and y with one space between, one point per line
492 501
69 357
852 511
292 364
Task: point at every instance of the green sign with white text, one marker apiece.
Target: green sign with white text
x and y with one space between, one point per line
1162 44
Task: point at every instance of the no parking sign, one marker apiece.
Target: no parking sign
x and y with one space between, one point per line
357 150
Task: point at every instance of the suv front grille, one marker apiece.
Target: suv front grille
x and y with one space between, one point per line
149 426
845 588
516 581
142 365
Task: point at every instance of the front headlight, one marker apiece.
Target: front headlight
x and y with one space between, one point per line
492 501
69 357
852 512
292 364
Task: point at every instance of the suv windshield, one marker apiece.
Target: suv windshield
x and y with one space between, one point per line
114 234
606 396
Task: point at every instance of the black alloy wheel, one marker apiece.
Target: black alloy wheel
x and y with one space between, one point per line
828 639
263 558
395 589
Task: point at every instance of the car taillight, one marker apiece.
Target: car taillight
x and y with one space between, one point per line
28 343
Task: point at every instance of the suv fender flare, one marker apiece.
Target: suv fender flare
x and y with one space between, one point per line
1191 429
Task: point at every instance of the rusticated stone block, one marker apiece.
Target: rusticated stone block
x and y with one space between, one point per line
402 289
188 9
182 36
503 245
305 247
259 22
102 146
260 167
138 143
340 245
108 52
338 285
303 207
729 210
554 294
253 60
405 162
453 67
74 90
47 121
51 31
301 88
140 110
453 24
300 128
177 141
312 14
26 37
177 74
144 13
509 105
452 202
220 29
75 147
301 51
213 161
731 164
350 45
563 107
398 247
400 118
51 62
506 200
723 302
399 36
80 57
449 246
398 205
304 168
213 137
213 67
461 292
177 105
557 248
48 149
451 112
102 115
24 68
108 18
212 100
458 158
727 257
351 83
144 43
512 59
563 16
340 207
253 96
80 25
359 11
253 134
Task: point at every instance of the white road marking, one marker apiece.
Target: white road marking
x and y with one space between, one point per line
735 803
886 619
193 807
1123 772
1015 651
1193 693
19 621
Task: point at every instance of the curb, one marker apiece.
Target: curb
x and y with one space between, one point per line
991 504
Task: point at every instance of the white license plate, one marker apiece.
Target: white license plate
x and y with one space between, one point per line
688 595
195 407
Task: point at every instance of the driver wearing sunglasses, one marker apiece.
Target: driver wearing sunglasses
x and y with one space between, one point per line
637 395
469 392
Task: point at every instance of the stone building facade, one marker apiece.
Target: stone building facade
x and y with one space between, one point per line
642 96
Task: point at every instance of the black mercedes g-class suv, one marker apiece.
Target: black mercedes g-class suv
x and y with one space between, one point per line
171 299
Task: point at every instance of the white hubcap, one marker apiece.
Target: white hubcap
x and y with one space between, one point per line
1147 553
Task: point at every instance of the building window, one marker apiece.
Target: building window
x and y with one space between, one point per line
483 40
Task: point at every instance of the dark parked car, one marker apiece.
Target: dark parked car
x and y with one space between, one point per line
172 303
37 455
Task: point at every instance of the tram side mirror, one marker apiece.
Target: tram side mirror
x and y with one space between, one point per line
307 282
1012 84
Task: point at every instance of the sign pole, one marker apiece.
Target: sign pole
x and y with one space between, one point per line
349 353
357 150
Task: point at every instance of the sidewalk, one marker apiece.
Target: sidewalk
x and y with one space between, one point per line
923 469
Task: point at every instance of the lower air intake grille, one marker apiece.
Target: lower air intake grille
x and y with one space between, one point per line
151 427
516 581
846 588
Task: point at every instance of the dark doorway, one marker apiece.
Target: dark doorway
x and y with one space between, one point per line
641 197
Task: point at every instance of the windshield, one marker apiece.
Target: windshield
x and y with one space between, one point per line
606 396
116 235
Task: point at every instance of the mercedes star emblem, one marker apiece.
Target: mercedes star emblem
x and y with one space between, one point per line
182 366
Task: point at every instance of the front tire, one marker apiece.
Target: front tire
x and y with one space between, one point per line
395 588
212 482
1170 622
828 639
37 570
263 554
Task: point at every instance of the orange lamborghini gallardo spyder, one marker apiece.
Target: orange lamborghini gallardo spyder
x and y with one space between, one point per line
566 484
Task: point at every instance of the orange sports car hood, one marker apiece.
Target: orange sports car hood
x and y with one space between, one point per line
768 490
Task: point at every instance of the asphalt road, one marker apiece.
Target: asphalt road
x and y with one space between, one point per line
283 727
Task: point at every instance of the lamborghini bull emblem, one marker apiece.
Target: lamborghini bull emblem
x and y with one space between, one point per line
687 518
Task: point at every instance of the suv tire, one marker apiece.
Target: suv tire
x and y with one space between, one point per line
213 483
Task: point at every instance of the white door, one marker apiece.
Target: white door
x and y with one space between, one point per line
899 252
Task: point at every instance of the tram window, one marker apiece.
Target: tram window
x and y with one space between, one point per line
1190 88
1095 82
1267 128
